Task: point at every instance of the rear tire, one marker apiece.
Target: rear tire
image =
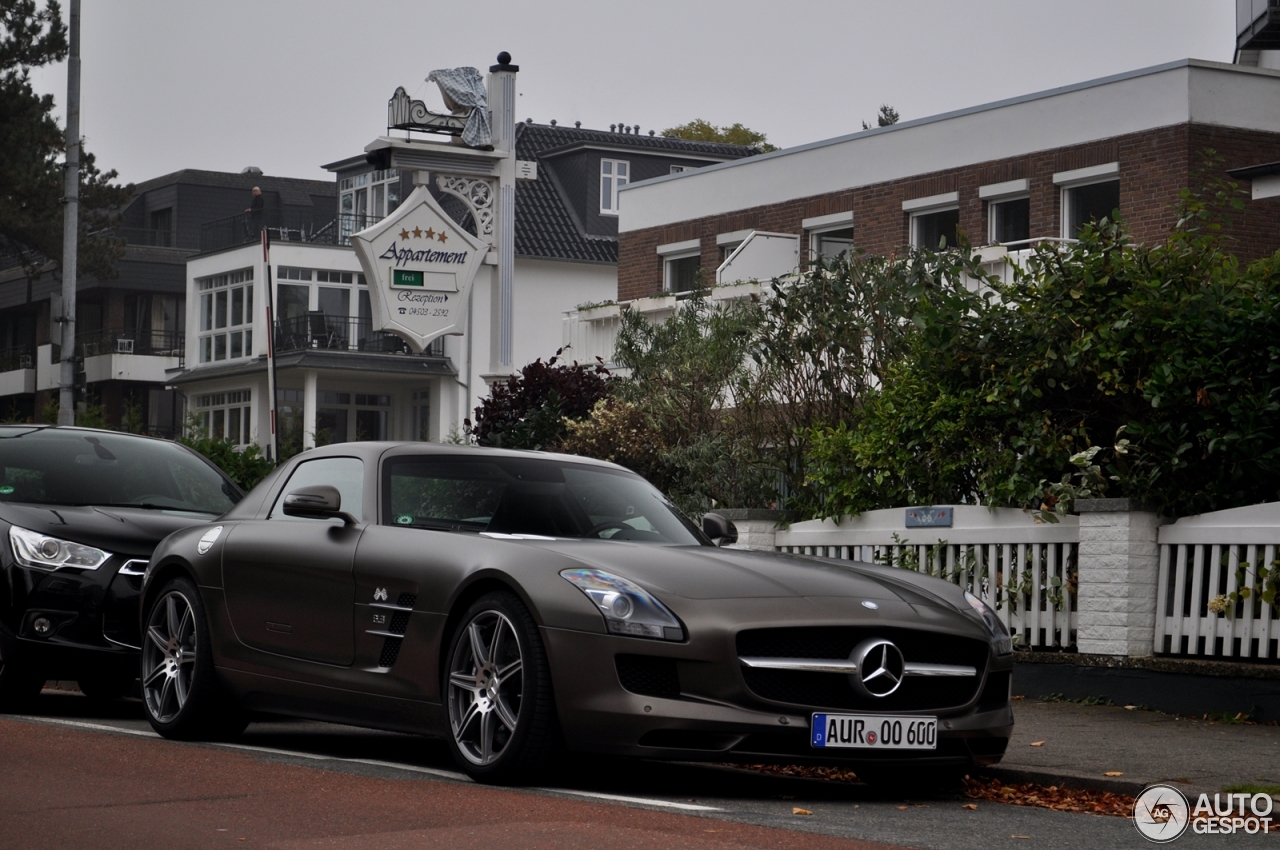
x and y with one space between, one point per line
497 687
184 699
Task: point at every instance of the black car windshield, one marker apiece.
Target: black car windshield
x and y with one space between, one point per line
56 466
529 496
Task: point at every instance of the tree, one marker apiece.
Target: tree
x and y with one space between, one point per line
885 118
700 130
529 410
31 154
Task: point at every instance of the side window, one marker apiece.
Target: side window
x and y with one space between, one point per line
345 473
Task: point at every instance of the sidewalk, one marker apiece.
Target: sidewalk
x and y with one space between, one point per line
1082 743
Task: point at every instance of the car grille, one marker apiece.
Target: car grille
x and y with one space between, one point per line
832 690
648 675
390 649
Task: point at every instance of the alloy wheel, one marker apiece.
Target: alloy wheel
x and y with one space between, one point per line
169 656
486 682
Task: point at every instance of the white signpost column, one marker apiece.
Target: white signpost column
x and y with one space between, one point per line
419 262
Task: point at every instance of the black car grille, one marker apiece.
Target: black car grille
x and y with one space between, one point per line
406 600
648 675
399 622
832 690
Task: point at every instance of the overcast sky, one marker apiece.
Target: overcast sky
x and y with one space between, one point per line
288 85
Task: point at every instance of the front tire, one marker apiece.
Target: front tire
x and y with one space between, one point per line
180 688
498 690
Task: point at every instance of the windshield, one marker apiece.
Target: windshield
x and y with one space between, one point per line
530 496
48 466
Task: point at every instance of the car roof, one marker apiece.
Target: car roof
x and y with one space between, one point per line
373 451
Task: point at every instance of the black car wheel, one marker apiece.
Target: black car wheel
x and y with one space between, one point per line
180 688
17 687
498 688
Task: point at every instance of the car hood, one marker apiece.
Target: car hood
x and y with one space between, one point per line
133 532
704 572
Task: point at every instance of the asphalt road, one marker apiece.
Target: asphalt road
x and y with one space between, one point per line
77 774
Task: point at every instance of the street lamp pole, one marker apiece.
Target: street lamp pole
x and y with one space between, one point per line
70 226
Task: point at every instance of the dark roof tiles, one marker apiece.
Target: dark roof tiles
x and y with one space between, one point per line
545 227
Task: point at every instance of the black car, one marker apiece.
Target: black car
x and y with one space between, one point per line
518 603
80 512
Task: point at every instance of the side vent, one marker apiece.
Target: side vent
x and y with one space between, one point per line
390 649
648 675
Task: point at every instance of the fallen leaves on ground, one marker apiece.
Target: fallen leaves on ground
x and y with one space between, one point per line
796 810
1037 743
1114 773
1051 797
973 807
833 774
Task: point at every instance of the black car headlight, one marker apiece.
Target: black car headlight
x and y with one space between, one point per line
628 608
33 549
999 634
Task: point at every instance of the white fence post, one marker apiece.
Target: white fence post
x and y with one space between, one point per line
757 528
1119 574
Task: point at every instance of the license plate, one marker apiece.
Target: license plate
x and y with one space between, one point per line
875 731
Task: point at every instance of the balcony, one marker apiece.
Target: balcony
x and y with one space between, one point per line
17 370
115 355
282 227
318 331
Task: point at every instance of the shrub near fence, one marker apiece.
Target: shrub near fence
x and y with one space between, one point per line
1025 570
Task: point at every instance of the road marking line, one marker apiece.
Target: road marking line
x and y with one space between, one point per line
97 727
644 801
447 774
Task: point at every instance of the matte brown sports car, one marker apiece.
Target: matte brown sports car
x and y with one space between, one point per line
519 603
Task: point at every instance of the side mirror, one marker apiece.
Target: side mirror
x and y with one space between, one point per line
720 530
319 501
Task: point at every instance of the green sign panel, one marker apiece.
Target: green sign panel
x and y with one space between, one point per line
401 277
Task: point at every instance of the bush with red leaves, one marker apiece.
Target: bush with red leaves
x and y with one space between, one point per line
527 411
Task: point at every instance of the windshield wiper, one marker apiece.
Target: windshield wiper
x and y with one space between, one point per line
146 506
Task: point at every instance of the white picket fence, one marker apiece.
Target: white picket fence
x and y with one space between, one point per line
1219 556
1025 570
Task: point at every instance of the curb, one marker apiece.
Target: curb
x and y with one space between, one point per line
1011 775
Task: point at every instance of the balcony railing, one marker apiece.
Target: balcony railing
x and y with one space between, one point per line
282 227
340 333
153 343
18 357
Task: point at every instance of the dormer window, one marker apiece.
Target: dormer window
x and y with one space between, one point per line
614 174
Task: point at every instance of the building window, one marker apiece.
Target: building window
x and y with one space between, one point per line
614 174
315 303
1088 202
827 245
365 199
680 169
162 228
422 415
226 316
346 417
225 416
1009 220
682 272
936 229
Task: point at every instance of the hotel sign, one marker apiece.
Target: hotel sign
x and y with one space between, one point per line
420 265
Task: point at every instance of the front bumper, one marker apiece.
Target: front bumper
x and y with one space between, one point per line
716 717
93 616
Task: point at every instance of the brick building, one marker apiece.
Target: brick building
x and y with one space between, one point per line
1008 174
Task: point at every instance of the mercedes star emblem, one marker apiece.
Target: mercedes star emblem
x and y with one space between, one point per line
881 667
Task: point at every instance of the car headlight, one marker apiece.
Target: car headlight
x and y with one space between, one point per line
33 549
628 609
999 634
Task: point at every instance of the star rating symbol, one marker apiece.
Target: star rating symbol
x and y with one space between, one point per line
429 233
404 234
417 232
442 236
